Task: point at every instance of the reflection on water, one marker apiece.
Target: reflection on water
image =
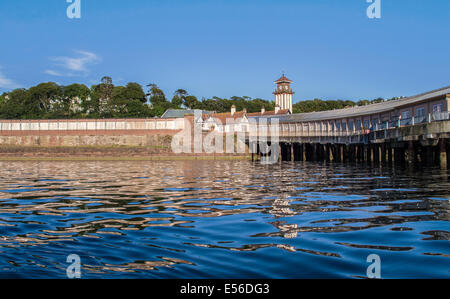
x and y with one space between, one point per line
222 219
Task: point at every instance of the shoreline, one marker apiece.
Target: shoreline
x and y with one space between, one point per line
122 158
106 153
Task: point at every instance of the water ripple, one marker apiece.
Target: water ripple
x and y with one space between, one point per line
222 219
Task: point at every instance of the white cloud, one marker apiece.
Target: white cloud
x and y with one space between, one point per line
53 73
6 82
73 66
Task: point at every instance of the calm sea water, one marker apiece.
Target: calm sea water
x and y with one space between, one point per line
222 219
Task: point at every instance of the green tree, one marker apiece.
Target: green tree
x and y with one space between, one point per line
127 102
320 105
76 97
191 102
12 104
92 107
134 91
377 100
105 92
178 98
42 99
156 95
158 100
363 103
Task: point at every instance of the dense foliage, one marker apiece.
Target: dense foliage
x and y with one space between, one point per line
106 100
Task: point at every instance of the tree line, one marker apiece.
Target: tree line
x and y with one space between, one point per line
106 100
321 105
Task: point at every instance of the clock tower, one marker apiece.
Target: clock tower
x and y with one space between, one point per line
284 94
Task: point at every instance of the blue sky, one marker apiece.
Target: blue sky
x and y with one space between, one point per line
330 48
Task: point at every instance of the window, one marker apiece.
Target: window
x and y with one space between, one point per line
420 112
366 124
406 114
437 108
350 126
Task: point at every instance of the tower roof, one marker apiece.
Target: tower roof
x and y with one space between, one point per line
283 79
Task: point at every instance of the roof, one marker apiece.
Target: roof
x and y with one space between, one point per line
180 113
366 110
223 117
268 113
283 79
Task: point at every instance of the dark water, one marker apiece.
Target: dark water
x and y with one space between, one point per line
222 219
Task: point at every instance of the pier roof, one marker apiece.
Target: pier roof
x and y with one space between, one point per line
365 110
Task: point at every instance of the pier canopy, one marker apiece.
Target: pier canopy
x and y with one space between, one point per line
371 109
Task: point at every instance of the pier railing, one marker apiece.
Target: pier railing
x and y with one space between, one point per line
432 117
308 130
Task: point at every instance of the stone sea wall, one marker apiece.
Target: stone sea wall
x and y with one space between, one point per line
100 140
93 137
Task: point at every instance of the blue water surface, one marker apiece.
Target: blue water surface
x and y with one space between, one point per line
222 219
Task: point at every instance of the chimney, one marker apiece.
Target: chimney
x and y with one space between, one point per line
245 110
277 109
263 110
233 110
